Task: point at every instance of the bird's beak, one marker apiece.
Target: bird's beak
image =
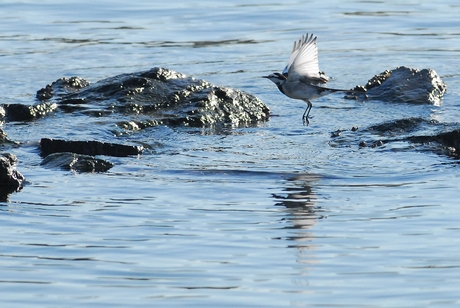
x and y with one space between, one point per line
264 76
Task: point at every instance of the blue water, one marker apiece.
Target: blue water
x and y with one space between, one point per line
277 214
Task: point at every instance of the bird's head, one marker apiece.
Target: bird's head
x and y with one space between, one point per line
277 78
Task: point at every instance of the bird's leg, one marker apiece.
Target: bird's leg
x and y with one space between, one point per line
305 118
306 114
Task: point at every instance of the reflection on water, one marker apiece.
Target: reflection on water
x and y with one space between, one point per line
300 202
300 194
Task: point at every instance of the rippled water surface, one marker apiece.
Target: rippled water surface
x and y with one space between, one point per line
276 214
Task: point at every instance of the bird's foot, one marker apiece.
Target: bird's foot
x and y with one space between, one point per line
305 120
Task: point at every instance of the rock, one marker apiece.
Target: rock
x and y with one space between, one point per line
447 142
336 133
399 127
10 179
62 87
49 146
76 162
405 134
3 137
2 114
5 140
19 112
407 85
163 96
450 139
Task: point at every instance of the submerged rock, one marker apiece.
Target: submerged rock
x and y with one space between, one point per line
399 127
406 85
49 146
450 139
165 96
76 162
405 134
446 142
10 179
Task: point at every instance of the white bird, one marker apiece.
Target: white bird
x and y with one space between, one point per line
301 76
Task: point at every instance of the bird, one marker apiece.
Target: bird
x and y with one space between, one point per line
301 78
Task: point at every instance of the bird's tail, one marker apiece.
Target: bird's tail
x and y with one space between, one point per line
356 90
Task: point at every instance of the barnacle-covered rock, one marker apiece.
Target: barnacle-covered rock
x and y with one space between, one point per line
406 85
162 95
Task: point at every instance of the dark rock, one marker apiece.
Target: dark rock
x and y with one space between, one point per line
76 162
399 127
5 140
3 137
407 85
390 132
2 114
337 133
163 96
62 87
49 146
450 139
137 125
19 112
447 143
10 179
406 134
378 143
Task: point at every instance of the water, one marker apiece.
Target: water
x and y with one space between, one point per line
278 214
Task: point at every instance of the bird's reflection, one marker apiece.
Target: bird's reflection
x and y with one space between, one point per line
299 199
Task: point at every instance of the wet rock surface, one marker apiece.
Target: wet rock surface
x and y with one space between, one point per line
3 137
76 162
2 114
445 143
10 179
49 146
163 96
444 139
406 85
18 112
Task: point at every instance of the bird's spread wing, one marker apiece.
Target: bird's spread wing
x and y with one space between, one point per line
294 53
303 62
